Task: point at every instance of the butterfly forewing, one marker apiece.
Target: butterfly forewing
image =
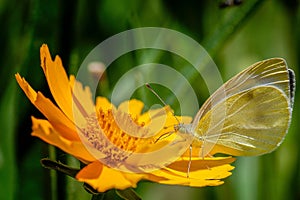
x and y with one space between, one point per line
268 72
250 113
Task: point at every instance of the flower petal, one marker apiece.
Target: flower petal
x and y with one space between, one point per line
198 163
56 117
83 105
83 95
104 104
74 100
134 107
103 178
203 172
44 130
57 80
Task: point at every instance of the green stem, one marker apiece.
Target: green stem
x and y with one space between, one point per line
8 170
53 174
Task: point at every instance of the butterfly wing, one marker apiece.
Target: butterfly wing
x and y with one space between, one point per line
250 113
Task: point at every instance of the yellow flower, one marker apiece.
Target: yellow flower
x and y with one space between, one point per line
91 132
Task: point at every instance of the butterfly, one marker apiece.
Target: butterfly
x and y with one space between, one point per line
249 115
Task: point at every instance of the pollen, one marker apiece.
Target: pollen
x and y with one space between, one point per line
104 134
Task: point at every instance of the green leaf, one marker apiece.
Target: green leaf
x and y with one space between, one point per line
58 166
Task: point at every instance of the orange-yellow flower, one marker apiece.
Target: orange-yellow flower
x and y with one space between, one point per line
81 127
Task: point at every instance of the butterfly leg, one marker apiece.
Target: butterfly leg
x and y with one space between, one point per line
202 150
190 162
202 153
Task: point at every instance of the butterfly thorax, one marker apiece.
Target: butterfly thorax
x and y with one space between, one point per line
187 130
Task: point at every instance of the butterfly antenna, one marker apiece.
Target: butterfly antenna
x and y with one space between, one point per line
161 100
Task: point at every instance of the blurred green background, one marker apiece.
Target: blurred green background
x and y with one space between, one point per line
235 37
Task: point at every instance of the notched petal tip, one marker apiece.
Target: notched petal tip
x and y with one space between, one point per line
103 178
44 54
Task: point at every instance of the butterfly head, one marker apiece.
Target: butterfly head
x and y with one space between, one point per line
183 128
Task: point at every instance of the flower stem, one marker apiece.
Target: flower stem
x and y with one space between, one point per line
53 174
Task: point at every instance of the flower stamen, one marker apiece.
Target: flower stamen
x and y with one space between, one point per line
105 135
